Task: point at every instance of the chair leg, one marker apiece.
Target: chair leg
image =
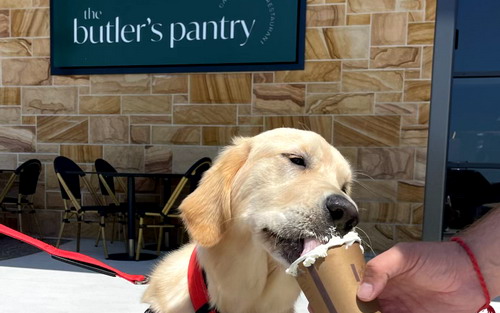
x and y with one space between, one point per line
103 231
37 223
19 213
96 244
140 239
64 221
20 220
78 235
113 229
160 239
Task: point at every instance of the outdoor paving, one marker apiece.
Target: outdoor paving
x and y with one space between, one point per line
36 283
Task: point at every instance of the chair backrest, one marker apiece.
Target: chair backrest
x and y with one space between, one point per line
67 171
195 172
102 166
193 175
28 173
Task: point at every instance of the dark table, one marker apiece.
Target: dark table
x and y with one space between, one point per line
131 211
131 236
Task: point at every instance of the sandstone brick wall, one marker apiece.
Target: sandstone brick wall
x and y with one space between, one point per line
365 88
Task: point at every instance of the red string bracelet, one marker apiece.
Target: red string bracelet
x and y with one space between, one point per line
472 257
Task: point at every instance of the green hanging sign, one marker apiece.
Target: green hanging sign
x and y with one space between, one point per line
132 36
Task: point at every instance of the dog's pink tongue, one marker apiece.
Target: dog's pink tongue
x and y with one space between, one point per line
309 244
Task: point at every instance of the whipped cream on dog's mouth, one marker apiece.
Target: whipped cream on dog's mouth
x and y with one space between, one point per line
313 249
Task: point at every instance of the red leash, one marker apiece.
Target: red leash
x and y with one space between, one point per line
472 257
74 258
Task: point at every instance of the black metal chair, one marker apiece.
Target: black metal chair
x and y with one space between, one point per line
69 175
27 175
168 218
108 191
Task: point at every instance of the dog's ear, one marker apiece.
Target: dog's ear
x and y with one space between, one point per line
207 209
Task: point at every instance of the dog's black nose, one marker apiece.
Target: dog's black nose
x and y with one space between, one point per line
343 213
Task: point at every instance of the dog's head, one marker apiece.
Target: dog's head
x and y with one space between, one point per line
285 186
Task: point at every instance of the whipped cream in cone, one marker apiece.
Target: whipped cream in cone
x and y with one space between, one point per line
314 250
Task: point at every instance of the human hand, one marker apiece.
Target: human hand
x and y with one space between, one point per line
423 277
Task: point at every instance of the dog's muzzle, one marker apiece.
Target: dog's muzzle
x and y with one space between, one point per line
343 213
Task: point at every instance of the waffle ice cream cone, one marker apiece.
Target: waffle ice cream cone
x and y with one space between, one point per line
331 282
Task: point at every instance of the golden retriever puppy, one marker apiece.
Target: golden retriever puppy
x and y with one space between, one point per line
265 201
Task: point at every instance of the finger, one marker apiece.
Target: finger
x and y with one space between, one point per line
380 270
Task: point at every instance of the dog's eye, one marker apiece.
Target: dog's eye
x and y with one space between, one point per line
345 188
297 160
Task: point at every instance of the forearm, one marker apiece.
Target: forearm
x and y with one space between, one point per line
484 239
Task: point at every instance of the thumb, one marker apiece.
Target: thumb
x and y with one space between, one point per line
379 271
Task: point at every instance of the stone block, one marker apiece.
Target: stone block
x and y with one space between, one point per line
414 135
79 80
150 120
62 129
125 158
395 57
221 88
323 88
430 10
30 22
27 71
99 105
140 134
374 190
396 108
410 5
15 4
4 23
183 135
387 163
388 29
421 33
363 6
28 120
49 100
109 129
374 80
17 138
314 71
263 78
384 212
381 97
82 153
158 159
348 65
10 96
170 84
411 191
120 84
358 19
325 15
9 115
205 114
279 99
340 103
347 42
41 47
146 104
367 131
427 62
16 47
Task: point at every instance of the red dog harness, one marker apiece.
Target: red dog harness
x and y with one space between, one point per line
197 286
